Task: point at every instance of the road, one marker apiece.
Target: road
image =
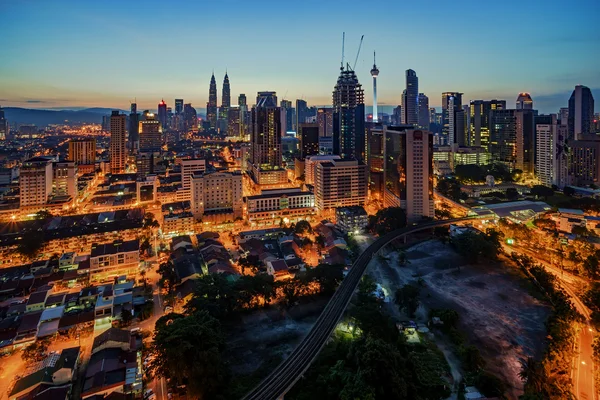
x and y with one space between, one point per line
583 365
291 369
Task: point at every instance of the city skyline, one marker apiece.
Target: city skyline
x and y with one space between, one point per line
66 59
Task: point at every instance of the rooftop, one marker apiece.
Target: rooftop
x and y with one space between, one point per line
115 247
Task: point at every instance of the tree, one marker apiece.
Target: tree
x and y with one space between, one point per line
542 191
407 298
590 265
302 227
470 173
150 222
568 191
473 245
168 276
387 220
512 194
545 223
187 351
31 243
126 317
43 215
449 188
328 277
251 261
530 374
35 352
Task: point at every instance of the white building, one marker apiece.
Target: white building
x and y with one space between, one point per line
340 183
290 205
118 258
64 182
218 194
188 167
310 165
35 181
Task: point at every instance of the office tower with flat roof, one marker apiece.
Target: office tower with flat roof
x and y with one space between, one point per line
162 113
234 125
35 181
188 168
301 112
178 106
308 133
512 139
151 132
451 130
524 101
423 111
397 115
82 151
325 121
211 106
266 151
217 196
410 99
290 114
118 142
479 118
584 162
375 162
581 112
408 171
64 179
133 132
3 125
349 116
340 183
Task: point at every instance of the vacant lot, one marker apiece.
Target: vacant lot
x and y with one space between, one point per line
497 312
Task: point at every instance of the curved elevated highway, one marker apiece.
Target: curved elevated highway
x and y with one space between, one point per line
291 369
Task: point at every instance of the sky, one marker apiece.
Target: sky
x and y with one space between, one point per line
107 53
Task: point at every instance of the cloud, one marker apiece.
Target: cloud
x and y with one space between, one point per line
35 101
554 101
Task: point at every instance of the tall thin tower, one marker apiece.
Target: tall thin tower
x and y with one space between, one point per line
375 74
211 106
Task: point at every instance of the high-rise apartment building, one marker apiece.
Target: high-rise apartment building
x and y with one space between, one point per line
340 183
524 101
375 162
35 182
64 179
310 166
584 162
410 99
349 117
309 139
408 170
188 168
325 121
423 102
480 112
118 142
290 114
162 113
512 139
581 113
546 136
217 196
267 130
234 125
211 106
451 128
150 134
82 151
301 112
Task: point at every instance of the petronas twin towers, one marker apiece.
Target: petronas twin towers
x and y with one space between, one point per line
217 117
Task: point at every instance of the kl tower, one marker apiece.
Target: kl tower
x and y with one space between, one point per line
374 74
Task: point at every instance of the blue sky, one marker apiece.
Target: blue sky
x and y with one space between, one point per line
106 53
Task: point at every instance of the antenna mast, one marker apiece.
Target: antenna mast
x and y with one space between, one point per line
358 52
343 41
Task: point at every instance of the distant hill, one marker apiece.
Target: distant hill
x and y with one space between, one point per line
42 118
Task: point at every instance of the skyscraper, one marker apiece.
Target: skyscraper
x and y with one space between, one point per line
423 111
266 152
211 106
451 103
397 115
225 104
118 142
547 155
190 118
82 151
134 118
308 133
301 112
162 113
410 99
581 113
289 111
244 115
524 101
325 121
408 170
178 106
512 139
375 74
349 116
480 112
3 125
150 134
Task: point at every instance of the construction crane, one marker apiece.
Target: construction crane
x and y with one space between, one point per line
358 52
343 41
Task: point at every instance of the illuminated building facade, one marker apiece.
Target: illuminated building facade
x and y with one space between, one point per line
340 183
349 116
211 106
118 142
480 112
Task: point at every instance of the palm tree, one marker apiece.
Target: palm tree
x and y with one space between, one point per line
531 374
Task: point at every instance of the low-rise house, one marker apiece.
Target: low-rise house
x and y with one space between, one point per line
49 321
28 328
352 219
55 300
114 338
37 301
278 269
52 379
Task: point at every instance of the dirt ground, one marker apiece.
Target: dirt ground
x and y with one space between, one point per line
263 335
497 313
